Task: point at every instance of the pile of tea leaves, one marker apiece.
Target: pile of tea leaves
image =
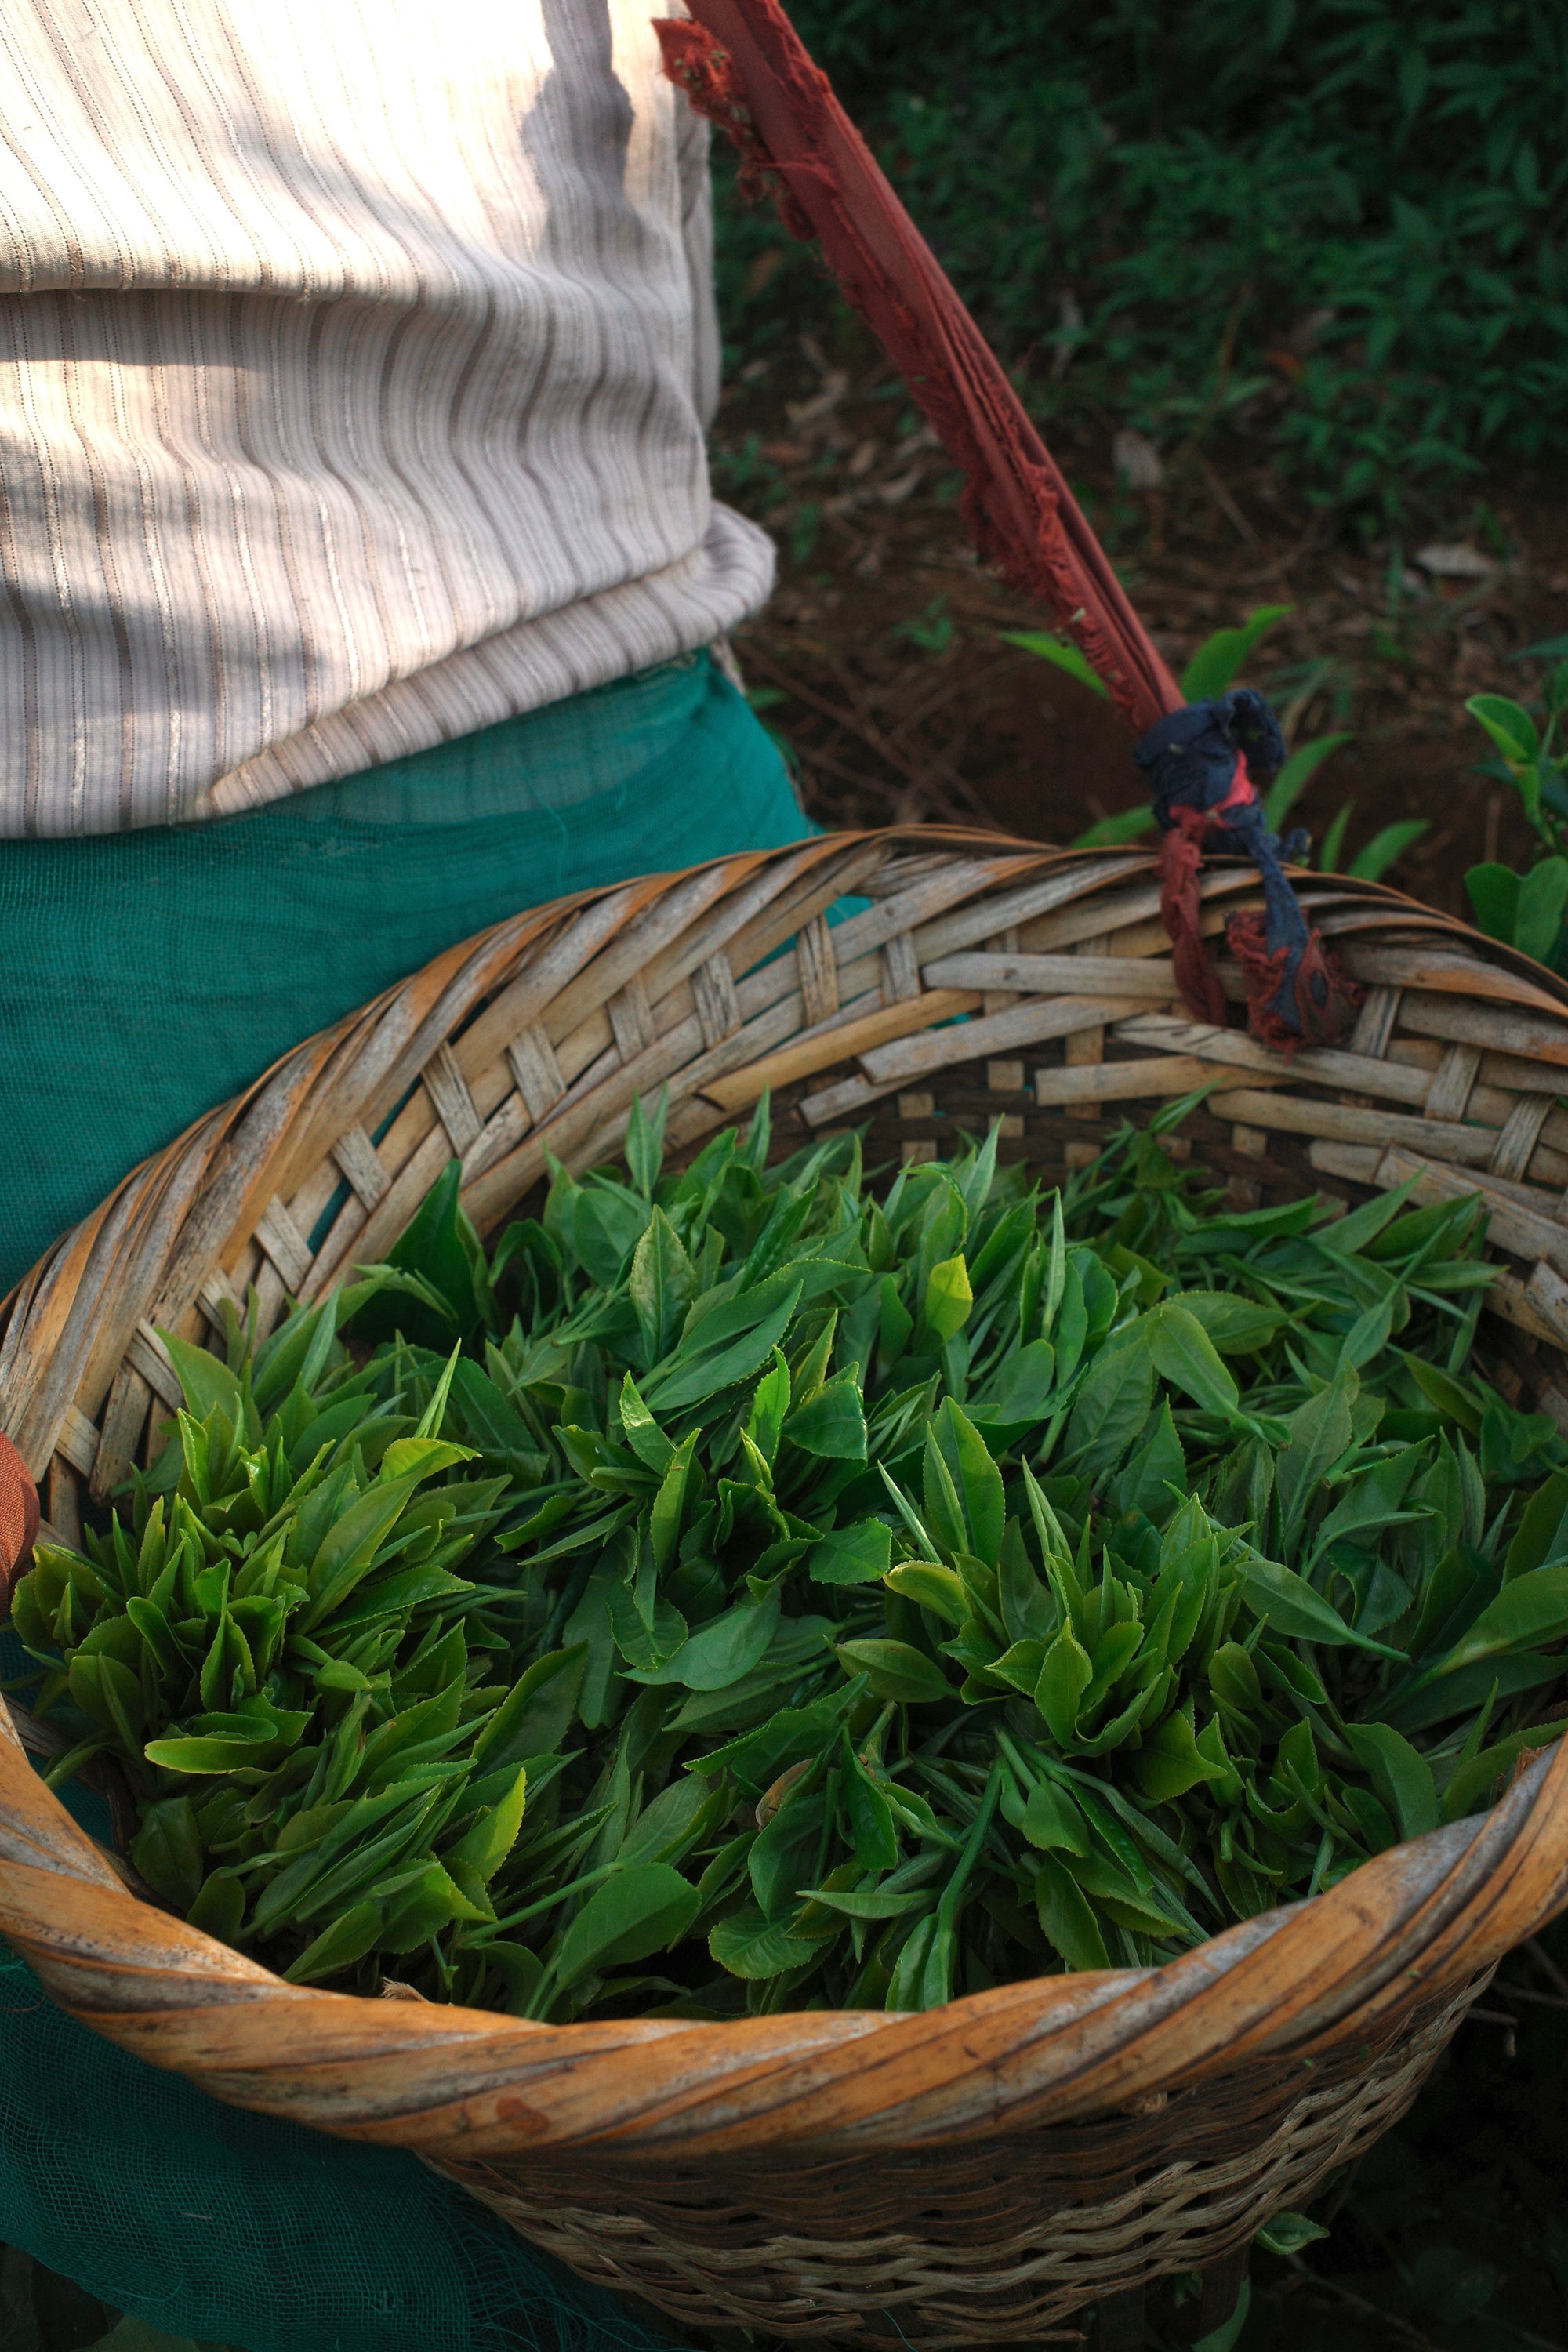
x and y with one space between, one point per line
749 1587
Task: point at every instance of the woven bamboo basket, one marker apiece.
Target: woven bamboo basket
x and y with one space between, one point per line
978 2173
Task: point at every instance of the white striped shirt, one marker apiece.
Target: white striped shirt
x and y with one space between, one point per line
356 357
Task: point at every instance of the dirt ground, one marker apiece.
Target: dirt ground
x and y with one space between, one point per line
881 659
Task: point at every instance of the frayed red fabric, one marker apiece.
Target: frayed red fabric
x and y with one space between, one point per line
18 1520
1323 999
1181 862
706 72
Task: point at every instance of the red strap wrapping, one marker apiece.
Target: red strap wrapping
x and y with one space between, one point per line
1324 999
1181 860
744 65
18 1520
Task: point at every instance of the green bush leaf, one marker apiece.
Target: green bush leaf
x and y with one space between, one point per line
1110 832
1287 2234
1064 657
1386 848
1538 916
1220 659
1295 776
1512 729
1494 898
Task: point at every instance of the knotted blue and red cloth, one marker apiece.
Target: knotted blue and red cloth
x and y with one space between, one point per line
743 64
1204 764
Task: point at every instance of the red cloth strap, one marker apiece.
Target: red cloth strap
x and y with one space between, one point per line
744 65
1181 860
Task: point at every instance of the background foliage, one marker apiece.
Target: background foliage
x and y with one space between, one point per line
1334 225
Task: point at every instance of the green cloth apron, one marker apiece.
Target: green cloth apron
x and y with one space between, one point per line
146 976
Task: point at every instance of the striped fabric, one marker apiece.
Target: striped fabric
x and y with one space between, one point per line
356 357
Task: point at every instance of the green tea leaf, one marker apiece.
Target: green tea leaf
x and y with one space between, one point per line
948 1300
1113 1402
208 1383
857 1554
167 1850
871 1818
749 1946
219 1909
698 1372
1051 1819
1476 1781
1169 1761
832 1424
1542 1533
348 1938
644 1142
1319 1433
932 1587
1526 1614
770 1404
1065 1677
640 1910
662 1285
1290 1605
721 1651
1022 1390
1185 1356
1069 1926
1402 1778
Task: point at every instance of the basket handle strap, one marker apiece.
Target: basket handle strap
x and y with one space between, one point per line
744 65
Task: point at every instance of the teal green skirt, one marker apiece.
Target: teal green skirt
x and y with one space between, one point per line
146 976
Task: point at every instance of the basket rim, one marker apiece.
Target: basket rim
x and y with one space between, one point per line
1412 1927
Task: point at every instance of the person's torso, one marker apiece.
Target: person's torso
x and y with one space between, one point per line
352 366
